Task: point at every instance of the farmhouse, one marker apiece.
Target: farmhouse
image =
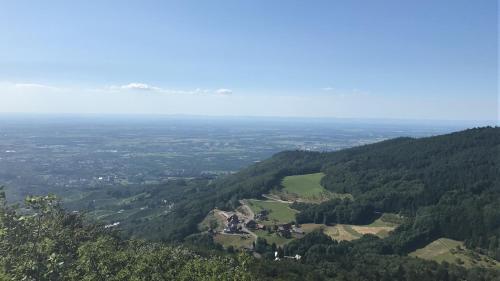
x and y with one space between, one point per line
284 230
262 215
252 224
232 224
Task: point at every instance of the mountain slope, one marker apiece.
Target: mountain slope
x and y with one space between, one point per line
448 186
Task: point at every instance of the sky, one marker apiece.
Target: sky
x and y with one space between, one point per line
423 59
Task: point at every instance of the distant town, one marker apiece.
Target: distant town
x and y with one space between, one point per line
47 155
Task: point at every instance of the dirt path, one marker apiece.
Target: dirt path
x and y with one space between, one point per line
250 214
273 198
244 228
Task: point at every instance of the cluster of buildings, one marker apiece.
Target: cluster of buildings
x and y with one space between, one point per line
233 224
286 230
262 215
252 224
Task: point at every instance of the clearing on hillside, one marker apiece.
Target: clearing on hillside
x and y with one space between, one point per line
350 232
388 219
279 212
306 188
380 231
272 237
237 241
452 251
213 221
337 232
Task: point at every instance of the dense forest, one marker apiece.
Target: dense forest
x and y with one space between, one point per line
43 242
444 186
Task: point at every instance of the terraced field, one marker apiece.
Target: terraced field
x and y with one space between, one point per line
452 251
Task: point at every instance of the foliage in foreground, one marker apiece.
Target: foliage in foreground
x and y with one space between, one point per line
42 242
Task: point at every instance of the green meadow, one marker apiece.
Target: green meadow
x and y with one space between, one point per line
278 212
307 188
453 251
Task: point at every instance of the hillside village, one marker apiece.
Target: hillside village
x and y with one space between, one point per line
245 225
273 219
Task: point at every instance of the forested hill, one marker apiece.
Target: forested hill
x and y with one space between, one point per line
396 175
421 170
447 185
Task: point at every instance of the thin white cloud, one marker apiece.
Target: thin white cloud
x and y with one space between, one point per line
149 88
32 97
327 89
34 86
139 86
223 91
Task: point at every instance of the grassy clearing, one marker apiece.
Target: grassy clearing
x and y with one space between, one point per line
306 188
337 232
387 220
237 241
380 231
278 212
347 231
350 229
341 233
453 251
272 237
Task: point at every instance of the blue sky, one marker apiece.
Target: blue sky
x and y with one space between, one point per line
365 59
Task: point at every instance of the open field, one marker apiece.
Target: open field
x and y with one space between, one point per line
348 232
380 231
337 232
452 251
306 188
272 237
278 212
237 241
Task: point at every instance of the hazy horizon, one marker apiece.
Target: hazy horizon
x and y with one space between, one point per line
391 60
150 116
